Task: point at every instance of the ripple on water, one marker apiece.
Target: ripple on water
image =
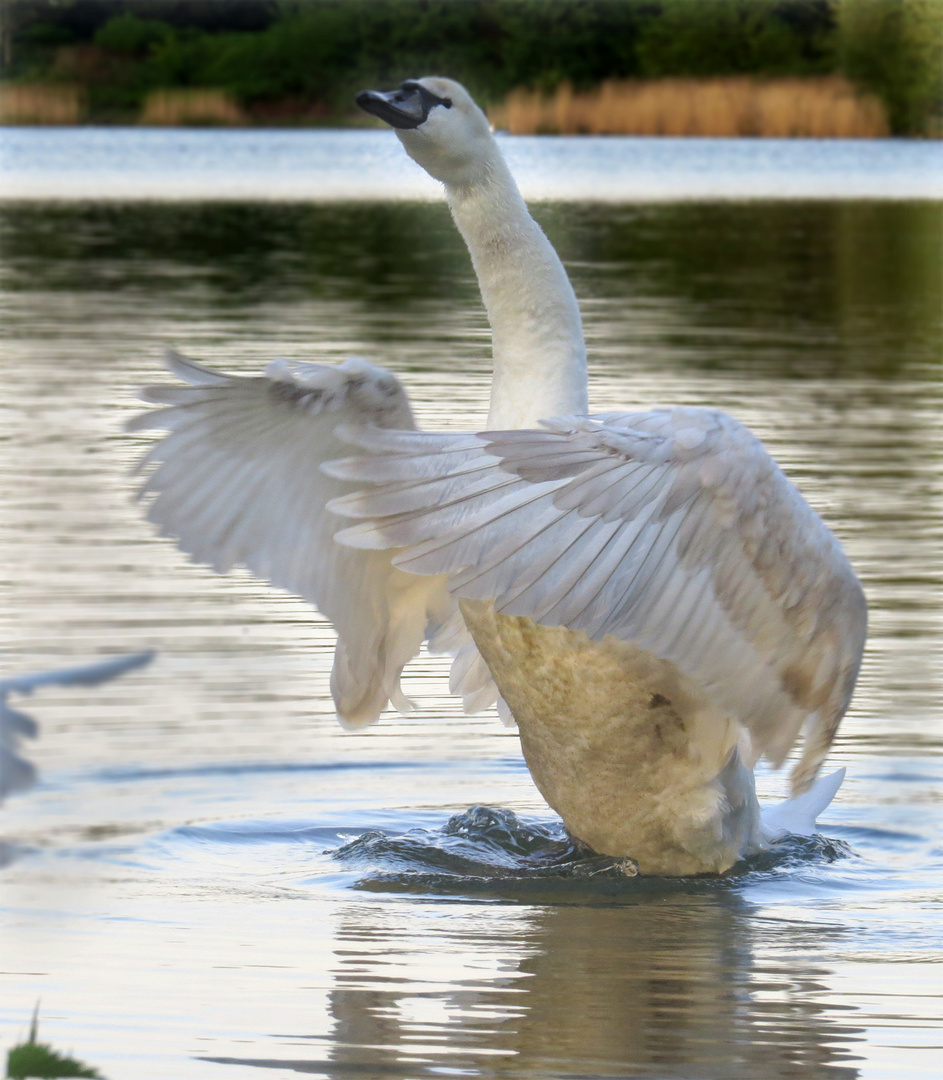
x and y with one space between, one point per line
492 852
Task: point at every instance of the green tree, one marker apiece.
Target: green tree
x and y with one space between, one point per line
582 43
895 49
132 35
734 37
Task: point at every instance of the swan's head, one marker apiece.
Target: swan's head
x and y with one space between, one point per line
439 125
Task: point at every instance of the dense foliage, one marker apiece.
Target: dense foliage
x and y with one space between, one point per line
306 57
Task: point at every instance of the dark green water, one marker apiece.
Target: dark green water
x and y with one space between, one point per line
863 280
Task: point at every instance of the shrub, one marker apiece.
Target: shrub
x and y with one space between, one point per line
128 34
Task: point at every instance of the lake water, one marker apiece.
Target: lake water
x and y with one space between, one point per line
329 165
212 879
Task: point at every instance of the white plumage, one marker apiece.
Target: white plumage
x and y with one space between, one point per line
656 603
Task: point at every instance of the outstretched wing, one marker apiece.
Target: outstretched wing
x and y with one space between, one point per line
672 529
237 483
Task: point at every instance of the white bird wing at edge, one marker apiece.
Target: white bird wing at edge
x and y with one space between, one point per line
236 482
82 675
672 529
16 773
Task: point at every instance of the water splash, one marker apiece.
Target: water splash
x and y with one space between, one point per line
483 842
488 851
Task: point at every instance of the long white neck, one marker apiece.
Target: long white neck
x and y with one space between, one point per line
536 331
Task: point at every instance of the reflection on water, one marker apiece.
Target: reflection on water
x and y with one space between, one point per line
647 990
606 987
175 901
809 289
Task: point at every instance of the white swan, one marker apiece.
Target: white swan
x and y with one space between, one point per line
655 601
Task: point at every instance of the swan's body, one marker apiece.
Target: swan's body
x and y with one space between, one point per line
655 602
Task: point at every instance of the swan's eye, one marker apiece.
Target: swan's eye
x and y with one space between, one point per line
430 100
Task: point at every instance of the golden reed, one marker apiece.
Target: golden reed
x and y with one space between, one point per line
827 107
41 103
170 108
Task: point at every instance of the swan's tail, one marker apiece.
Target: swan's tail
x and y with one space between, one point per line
797 815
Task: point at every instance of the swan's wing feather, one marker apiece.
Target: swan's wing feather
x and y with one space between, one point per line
83 675
236 480
672 529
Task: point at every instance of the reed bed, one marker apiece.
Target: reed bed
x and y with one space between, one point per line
173 108
42 103
827 107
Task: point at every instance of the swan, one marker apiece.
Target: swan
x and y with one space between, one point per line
643 592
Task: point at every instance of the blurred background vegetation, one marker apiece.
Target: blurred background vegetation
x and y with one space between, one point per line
300 61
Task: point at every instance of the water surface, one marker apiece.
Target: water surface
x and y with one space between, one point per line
213 880
328 165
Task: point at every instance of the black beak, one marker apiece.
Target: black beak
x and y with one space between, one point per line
407 107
